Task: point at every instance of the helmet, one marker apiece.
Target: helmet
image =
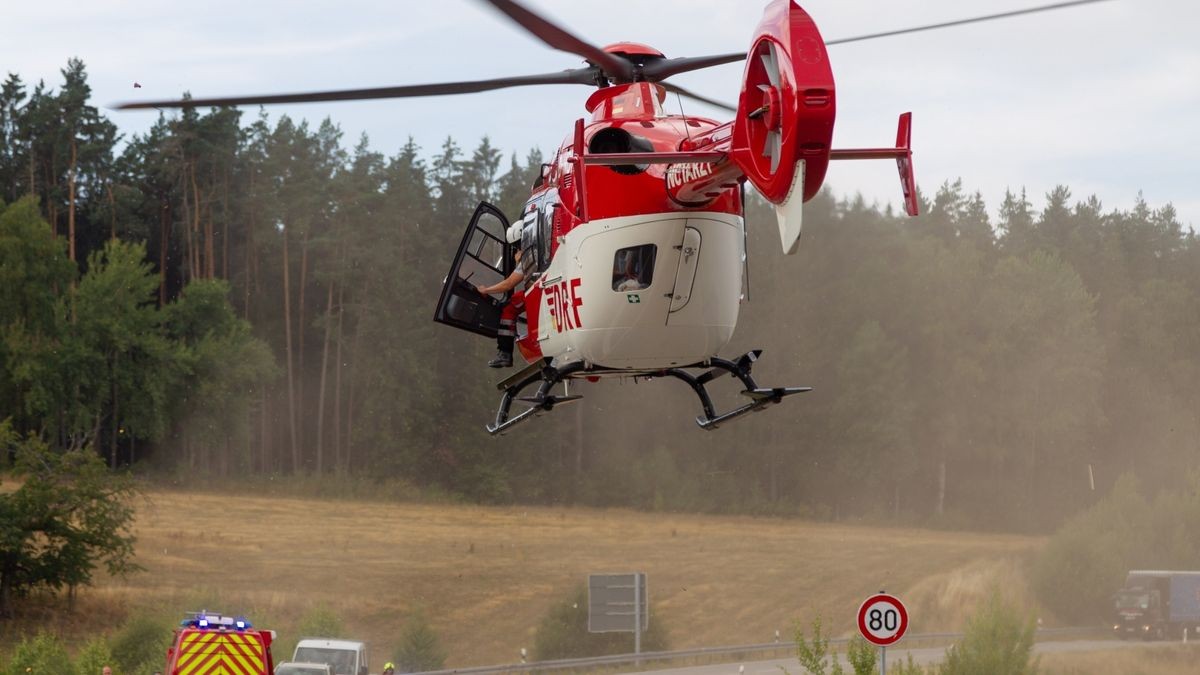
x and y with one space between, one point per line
514 232
389 666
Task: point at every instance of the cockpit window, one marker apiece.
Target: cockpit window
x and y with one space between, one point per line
633 268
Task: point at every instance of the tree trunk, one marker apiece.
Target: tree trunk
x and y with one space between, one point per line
291 378
210 256
225 229
337 384
354 352
116 409
164 223
185 196
71 201
112 210
324 370
198 271
264 441
301 326
941 498
6 575
250 247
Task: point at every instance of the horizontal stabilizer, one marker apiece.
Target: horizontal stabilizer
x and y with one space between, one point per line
902 153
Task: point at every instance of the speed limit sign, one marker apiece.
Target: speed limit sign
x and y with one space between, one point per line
882 619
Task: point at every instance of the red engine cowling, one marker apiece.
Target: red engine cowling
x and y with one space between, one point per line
787 105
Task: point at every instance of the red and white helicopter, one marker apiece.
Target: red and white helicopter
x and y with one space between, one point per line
633 242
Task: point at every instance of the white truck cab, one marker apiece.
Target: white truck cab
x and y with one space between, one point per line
344 657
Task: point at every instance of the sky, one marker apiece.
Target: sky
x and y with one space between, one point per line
1103 98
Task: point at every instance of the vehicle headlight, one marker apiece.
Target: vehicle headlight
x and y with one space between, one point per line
1146 627
1116 626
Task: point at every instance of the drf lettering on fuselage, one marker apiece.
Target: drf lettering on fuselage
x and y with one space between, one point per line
563 301
679 174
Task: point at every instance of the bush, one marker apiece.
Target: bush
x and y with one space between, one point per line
44 654
321 621
419 649
909 667
93 657
563 633
141 645
998 641
1085 562
814 655
862 655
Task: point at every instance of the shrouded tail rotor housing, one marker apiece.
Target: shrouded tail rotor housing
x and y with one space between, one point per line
787 105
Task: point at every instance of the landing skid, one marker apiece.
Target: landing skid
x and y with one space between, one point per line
547 376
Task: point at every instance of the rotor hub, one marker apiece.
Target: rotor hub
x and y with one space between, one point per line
772 115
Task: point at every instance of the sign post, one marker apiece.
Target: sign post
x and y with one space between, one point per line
882 620
618 603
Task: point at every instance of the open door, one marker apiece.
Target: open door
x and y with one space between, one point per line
482 260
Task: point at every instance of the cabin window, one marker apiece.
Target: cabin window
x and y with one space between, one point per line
531 264
545 232
633 268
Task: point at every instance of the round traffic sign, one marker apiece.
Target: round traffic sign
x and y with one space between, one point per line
882 619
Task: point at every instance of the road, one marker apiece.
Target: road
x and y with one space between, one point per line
921 655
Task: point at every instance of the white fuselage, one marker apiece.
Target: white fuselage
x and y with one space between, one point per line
681 311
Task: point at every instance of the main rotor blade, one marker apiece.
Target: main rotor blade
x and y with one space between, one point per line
576 76
558 38
660 70
961 22
703 99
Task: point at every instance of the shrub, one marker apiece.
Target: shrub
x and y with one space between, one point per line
998 641
93 657
862 655
44 654
419 648
909 667
814 655
563 633
321 621
1085 562
141 645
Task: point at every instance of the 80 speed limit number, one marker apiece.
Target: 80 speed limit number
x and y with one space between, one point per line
882 619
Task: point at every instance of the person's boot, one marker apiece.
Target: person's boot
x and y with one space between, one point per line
503 360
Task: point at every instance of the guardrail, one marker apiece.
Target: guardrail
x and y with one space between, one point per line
619 659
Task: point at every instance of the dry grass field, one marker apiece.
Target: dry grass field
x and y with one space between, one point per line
485 576
1145 660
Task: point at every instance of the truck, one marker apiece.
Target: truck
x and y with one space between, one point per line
1157 604
344 657
212 644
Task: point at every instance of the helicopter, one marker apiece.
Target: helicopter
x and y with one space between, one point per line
633 242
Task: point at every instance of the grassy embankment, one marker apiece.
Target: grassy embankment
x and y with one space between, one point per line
485 576
1149 660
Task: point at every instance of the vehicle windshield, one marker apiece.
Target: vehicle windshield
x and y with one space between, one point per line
341 661
1133 601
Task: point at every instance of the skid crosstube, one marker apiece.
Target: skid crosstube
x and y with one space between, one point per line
547 376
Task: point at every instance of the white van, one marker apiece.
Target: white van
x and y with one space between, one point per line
344 657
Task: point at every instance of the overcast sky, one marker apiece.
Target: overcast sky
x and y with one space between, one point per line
1103 98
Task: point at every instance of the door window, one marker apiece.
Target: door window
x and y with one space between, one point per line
482 260
633 268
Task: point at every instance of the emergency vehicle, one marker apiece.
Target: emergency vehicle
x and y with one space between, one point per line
211 644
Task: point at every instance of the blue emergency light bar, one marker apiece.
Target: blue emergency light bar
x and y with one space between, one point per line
205 620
